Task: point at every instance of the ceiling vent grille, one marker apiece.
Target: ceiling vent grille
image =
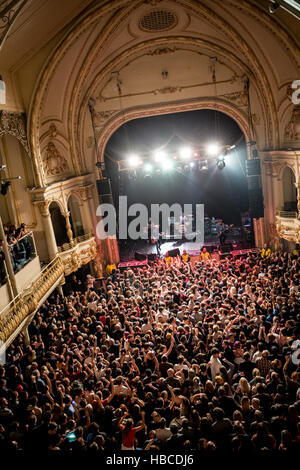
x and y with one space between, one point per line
158 20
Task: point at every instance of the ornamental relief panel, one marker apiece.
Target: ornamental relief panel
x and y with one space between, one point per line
14 124
53 162
292 129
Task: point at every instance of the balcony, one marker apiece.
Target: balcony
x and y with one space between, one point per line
19 312
288 225
79 251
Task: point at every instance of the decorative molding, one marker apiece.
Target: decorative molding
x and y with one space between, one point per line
15 125
239 98
43 208
9 10
166 90
54 163
162 51
52 131
101 116
292 129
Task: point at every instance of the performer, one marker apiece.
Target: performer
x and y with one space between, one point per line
205 255
265 252
111 269
222 237
185 257
167 258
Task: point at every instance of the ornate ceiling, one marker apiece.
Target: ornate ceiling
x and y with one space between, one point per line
137 58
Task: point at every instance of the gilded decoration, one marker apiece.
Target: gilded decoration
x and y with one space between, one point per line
54 163
292 130
101 116
15 125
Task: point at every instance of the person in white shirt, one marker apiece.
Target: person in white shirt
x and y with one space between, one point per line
215 363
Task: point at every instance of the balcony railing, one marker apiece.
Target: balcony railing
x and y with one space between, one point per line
14 314
74 242
22 252
287 214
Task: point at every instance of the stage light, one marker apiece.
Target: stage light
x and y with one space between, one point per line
202 165
159 155
167 165
148 167
133 161
196 154
212 149
192 164
185 152
221 162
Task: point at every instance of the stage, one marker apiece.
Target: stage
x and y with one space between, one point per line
128 248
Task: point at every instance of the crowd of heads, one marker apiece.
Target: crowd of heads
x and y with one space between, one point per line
165 357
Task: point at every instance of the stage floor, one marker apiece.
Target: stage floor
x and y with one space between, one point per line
128 248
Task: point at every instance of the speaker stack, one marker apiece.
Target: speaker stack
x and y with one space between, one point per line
255 195
173 253
104 191
140 256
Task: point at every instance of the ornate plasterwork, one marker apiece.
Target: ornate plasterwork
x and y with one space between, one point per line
54 163
240 98
14 124
162 51
101 116
180 106
292 129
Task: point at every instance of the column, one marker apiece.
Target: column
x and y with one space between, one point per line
298 198
85 213
68 226
48 228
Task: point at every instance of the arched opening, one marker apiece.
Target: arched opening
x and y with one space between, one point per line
200 180
17 172
75 216
289 190
59 224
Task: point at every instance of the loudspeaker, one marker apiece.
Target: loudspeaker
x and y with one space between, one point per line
256 203
103 186
104 191
174 253
226 248
152 256
253 167
140 256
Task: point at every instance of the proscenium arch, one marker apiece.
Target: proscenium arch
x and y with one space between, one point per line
178 107
179 41
92 15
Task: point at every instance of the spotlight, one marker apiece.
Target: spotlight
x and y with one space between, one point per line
159 155
212 149
192 164
203 165
4 187
148 168
167 165
185 152
221 162
133 161
132 175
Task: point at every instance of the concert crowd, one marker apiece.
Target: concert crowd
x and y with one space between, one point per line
168 357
